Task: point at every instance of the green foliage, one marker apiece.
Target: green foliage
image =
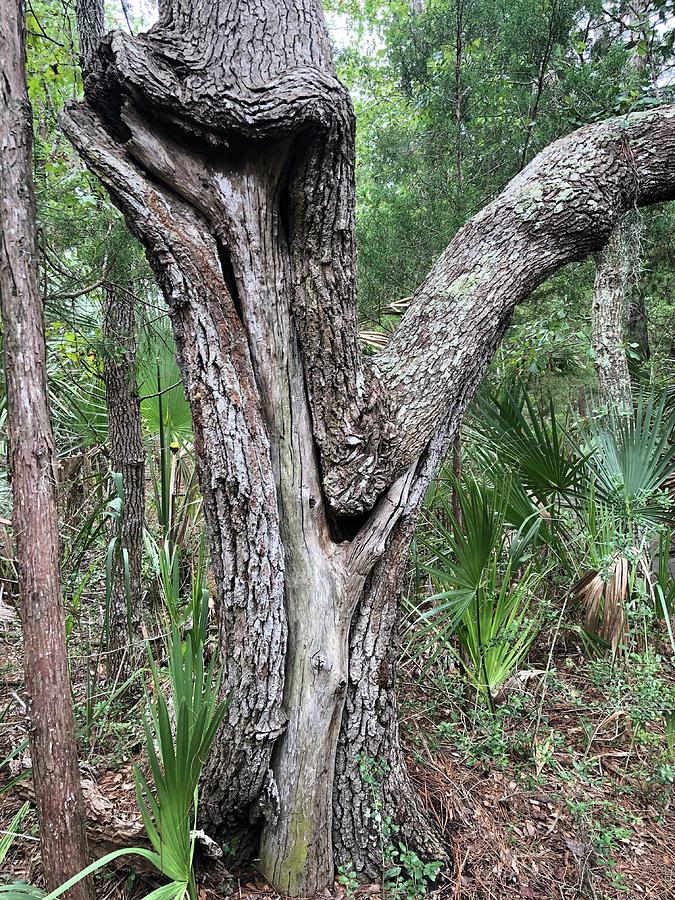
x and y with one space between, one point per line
177 747
631 457
528 439
404 875
165 411
497 630
8 836
177 754
348 880
484 600
635 686
489 737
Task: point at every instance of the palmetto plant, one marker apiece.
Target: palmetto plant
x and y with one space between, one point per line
628 461
497 630
168 423
481 595
528 439
603 493
163 405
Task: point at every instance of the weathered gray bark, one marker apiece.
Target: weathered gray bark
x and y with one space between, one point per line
614 281
227 141
32 464
617 305
125 432
370 723
638 324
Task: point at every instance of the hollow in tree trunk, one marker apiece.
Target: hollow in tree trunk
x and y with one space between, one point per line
226 139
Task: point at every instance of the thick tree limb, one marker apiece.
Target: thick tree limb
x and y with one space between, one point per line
196 72
562 207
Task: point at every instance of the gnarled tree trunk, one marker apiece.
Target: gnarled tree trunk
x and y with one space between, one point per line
127 457
226 139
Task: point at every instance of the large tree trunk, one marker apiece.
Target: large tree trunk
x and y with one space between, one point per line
32 464
227 141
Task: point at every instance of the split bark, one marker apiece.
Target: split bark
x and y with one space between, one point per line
227 141
32 463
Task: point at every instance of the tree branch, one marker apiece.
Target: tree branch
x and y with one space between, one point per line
558 210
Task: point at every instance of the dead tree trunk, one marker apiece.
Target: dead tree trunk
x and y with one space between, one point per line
226 139
32 464
127 454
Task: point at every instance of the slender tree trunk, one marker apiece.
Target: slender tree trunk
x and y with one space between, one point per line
32 463
618 313
538 87
90 29
613 278
125 432
459 54
226 139
638 324
127 457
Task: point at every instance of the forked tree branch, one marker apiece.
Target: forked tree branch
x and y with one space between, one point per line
372 418
560 209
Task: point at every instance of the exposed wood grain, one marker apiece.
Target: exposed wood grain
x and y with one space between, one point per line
227 141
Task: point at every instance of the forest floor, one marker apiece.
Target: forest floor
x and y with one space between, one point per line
565 791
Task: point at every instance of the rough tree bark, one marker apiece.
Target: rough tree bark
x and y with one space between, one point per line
32 464
226 139
125 432
127 456
617 311
614 279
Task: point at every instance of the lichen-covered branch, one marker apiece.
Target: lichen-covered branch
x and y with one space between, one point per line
561 208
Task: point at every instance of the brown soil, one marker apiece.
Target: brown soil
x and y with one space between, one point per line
583 811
